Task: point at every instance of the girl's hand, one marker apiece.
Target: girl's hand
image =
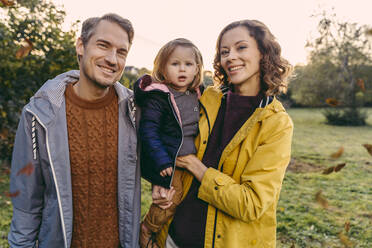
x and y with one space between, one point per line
166 172
193 164
162 196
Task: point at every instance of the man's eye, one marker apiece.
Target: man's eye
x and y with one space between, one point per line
101 45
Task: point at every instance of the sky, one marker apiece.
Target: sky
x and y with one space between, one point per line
158 21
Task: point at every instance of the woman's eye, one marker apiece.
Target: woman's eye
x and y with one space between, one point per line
224 52
242 47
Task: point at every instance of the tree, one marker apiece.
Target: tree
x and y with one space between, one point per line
336 69
33 48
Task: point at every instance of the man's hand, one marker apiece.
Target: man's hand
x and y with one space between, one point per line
162 196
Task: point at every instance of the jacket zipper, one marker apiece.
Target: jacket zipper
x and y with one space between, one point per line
54 175
179 147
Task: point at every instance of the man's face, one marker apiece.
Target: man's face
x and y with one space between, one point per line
103 57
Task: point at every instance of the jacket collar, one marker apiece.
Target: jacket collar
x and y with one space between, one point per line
48 100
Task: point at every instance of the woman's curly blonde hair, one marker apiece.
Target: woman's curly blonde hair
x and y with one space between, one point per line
274 70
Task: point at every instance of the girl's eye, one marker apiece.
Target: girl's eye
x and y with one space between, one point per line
189 64
174 63
242 47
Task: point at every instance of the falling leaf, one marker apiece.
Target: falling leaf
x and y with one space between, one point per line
329 170
27 170
4 133
338 153
7 171
332 102
361 85
339 167
321 200
23 51
369 32
7 2
345 240
14 194
369 148
347 226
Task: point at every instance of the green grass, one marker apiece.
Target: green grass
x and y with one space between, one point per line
302 222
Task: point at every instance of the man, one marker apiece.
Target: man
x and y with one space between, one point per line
74 160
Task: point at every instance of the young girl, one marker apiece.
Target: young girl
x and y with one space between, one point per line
169 123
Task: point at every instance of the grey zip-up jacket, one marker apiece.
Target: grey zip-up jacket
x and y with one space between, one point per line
42 210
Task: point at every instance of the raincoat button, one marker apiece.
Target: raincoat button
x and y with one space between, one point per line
200 114
218 236
204 142
215 187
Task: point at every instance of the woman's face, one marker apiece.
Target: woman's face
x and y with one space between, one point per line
240 58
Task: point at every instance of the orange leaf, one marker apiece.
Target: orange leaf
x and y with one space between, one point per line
369 148
328 170
345 240
14 194
339 167
321 200
361 85
332 102
27 170
4 133
7 2
338 153
7 171
347 226
23 51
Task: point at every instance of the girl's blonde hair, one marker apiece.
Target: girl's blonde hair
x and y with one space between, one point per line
161 59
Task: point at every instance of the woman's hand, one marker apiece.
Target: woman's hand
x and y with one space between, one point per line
193 164
162 196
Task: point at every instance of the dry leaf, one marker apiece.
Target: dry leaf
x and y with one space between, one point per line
332 102
328 170
345 240
293 245
339 167
361 85
14 194
321 200
7 171
369 148
347 226
23 51
27 170
7 2
338 153
4 133
369 32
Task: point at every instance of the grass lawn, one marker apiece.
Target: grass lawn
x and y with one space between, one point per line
302 221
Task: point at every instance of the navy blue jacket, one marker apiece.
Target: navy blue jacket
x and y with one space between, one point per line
160 131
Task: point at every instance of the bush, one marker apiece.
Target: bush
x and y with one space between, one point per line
345 117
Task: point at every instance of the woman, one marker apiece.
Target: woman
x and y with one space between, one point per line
232 185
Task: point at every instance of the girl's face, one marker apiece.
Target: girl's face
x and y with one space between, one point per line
181 68
240 58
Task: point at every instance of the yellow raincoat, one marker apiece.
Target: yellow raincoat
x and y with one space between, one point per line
243 197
